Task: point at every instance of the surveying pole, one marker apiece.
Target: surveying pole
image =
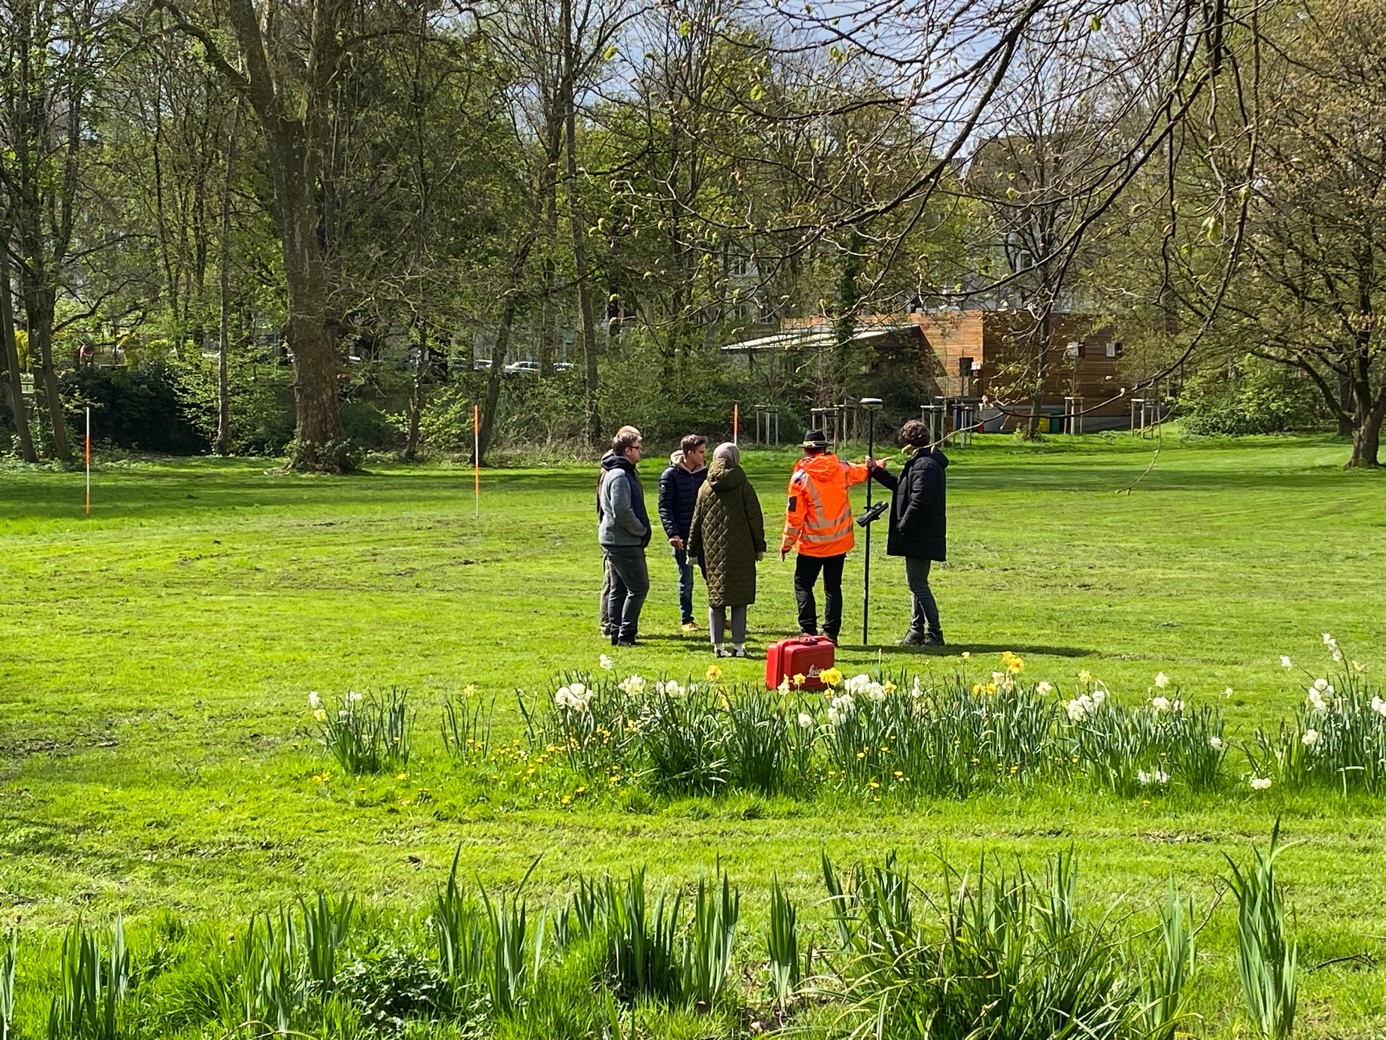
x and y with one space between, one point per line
870 405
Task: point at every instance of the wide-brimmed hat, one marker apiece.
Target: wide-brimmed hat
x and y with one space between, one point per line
815 439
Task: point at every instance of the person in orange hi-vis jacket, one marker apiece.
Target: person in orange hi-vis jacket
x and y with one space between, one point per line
818 526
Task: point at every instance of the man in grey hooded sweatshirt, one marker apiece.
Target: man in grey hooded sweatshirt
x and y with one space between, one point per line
623 531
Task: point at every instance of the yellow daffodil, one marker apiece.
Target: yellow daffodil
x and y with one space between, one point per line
830 676
713 673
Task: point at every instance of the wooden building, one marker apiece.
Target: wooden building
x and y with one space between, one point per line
996 354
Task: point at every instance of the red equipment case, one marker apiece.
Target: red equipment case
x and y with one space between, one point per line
803 655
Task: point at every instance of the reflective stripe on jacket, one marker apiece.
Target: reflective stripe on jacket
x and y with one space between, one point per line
818 519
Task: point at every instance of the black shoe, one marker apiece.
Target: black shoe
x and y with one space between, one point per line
624 642
830 637
912 638
739 653
933 639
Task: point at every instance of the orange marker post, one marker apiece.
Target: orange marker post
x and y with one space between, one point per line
736 420
476 457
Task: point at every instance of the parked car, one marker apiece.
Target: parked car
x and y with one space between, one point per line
517 367
562 366
481 365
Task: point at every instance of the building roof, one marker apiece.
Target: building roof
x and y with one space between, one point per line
818 336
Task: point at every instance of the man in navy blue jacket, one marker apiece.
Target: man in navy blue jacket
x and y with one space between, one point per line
678 493
918 525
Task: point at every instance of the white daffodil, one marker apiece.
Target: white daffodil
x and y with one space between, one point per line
1216 743
1321 685
1044 689
1260 783
875 692
1310 738
805 720
1177 706
1286 663
314 701
916 690
1328 639
1161 680
606 663
1160 703
354 697
633 685
841 708
1142 777
1227 692
1379 706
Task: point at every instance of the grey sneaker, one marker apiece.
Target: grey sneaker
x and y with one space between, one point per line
913 638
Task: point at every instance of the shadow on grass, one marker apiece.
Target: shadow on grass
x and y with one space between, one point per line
953 649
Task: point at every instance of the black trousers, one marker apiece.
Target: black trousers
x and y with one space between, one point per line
806 570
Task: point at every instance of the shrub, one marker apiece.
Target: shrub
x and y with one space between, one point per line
1251 396
137 408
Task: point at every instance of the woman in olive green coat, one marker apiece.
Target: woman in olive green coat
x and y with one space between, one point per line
727 537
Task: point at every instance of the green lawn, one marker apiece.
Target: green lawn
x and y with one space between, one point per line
156 751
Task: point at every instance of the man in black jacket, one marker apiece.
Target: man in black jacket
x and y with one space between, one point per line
918 525
678 493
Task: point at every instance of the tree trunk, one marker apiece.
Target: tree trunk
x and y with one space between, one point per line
312 336
1366 437
295 131
584 288
416 399
499 348
1347 405
9 357
223 441
39 306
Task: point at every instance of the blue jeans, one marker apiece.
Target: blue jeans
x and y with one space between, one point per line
685 585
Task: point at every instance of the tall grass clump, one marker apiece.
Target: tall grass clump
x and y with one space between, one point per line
458 925
1336 739
366 734
1168 971
707 946
762 748
1131 750
269 992
948 741
872 735
94 985
466 728
642 952
782 944
1004 956
326 925
685 740
1267 960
